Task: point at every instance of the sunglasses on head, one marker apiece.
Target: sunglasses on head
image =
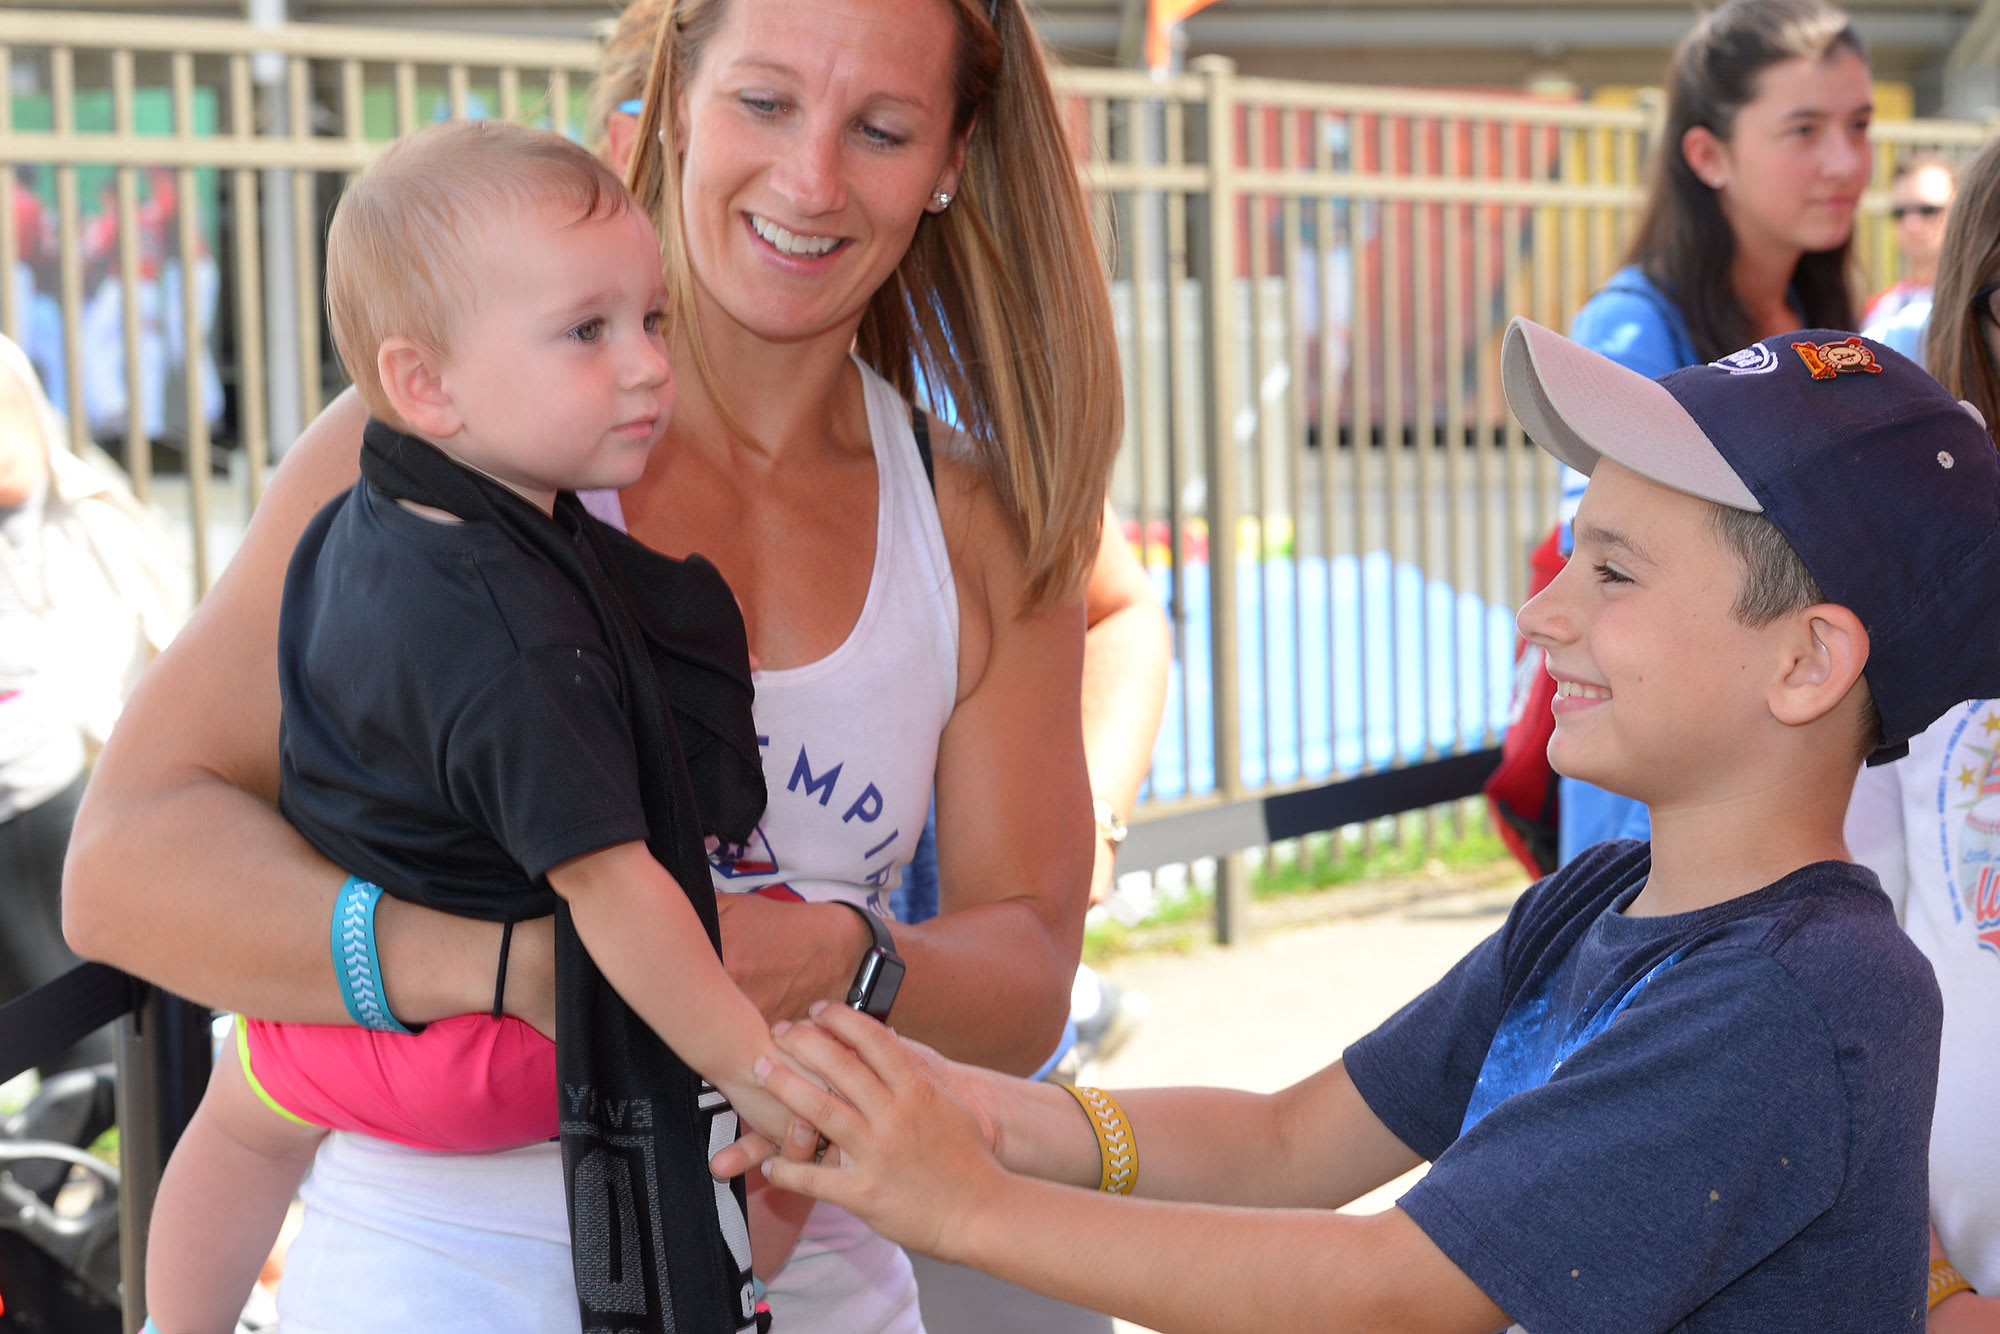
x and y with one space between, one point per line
1901 211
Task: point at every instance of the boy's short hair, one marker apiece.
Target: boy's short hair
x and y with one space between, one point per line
1884 488
401 250
1776 583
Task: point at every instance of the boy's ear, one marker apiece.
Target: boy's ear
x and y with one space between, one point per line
1707 156
415 389
1825 649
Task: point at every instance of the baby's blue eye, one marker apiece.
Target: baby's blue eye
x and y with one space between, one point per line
656 321
587 332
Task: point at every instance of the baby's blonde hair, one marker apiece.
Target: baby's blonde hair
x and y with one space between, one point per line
401 251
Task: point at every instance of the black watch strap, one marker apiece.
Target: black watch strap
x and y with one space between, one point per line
880 975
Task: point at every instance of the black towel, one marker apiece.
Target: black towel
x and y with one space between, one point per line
658 1245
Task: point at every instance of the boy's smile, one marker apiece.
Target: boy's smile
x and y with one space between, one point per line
1660 689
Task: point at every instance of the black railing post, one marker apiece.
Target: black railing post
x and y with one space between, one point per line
163 1063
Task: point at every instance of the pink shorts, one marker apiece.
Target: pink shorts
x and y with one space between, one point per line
470 1084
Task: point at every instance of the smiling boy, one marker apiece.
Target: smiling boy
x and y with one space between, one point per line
1701 1069
1688 1084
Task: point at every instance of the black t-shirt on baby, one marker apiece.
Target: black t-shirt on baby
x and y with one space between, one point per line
437 736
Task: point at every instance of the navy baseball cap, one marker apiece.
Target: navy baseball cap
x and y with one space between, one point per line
1886 486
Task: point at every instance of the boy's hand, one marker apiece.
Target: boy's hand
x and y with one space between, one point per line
1965 1313
909 1158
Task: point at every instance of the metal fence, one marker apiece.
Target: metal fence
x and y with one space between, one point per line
1310 281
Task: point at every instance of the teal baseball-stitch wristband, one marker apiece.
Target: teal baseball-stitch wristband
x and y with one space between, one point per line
354 958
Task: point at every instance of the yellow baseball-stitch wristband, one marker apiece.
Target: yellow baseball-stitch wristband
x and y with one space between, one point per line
1117 1149
1946 1281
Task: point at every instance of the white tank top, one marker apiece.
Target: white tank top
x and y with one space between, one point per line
850 741
397 1239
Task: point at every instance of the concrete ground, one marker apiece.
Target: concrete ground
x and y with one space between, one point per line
1264 1014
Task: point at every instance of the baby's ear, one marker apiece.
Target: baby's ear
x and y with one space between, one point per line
1826 647
411 381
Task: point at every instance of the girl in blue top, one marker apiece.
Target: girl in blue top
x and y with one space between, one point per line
1747 231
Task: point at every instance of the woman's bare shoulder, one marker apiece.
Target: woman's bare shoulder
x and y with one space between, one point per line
986 555
976 528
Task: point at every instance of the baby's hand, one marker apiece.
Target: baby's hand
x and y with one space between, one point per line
909 1157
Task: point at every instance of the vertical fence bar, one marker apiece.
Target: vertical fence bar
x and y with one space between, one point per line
1292 240
406 98
1331 407
1370 286
1547 302
1488 439
163 1063
1424 163
10 240
1515 555
559 101
1231 887
1395 419
1252 423
510 93
252 424
305 244
1458 523
1185 441
69 254
458 82
193 338
138 444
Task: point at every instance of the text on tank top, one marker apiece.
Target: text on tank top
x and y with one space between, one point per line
850 741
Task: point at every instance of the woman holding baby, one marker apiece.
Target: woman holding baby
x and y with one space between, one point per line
840 220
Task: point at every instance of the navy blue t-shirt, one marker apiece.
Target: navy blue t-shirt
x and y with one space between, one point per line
453 721
1715 1120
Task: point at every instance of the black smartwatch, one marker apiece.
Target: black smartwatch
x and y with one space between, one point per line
880 975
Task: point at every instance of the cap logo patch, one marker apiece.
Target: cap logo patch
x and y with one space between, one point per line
1849 356
1755 359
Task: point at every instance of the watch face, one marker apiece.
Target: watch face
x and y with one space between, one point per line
875 986
888 982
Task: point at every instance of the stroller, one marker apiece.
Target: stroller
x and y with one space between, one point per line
59 1226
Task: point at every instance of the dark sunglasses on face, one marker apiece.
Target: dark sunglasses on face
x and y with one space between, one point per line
1901 211
1984 302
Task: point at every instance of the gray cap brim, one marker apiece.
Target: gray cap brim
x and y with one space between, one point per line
1581 406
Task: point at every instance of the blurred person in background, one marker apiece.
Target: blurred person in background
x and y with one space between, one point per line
86 596
1929 825
1901 315
1747 232
1920 197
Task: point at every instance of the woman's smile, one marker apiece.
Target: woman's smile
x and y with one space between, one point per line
790 244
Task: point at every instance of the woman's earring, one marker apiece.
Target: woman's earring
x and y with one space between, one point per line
942 199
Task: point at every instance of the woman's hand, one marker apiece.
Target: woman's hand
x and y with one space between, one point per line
785 956
909 1157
